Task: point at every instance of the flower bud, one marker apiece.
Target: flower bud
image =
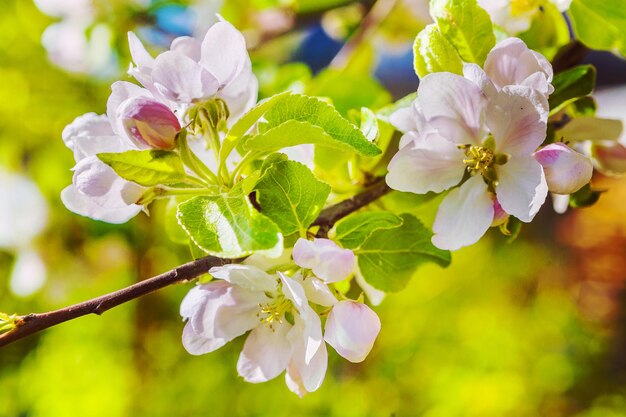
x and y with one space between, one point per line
352 328
610 158
149 123
565 169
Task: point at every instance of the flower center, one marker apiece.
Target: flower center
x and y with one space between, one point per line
275 311
479 159
521 7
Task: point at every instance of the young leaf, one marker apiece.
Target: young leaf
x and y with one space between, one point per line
600 24
389 257
299 119
352 231
467 26
585 197
433 53
226 225
571 84
291 196
590 128
147 168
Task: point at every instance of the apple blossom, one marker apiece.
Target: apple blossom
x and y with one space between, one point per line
565 169
193 71
97 191
491 139
285 332
149 122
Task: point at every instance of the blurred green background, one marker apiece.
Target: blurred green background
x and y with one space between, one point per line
532 328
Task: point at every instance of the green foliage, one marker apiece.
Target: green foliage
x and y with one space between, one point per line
467 26
572 84
548 31
147 168
291 196
585 197
352 231
389 257
228 226
297 119
433 53
600 24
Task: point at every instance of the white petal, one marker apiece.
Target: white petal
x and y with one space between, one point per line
374 295
328 261
454 106
565 169
560 203
141 57
352 328
198 344
188 46
517 126
318 292
476 74
91 134
246 276
240 93
28 274
306 375
265 354
510 62
82 204
224 52
428 164
179 78
464 215
521 187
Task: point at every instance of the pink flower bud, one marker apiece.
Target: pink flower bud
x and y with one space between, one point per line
352 328
149 123
565 169
610 159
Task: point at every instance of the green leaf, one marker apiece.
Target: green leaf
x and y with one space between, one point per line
572 84
433 53
291 196
147 168
467 26
352 231
548 32
226 225
389 257
299 119
600 24
248 120
585 197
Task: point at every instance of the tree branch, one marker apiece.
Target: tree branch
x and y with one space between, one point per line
33 323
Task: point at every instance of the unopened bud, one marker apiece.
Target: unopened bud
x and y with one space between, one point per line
609 158
149 123
566 170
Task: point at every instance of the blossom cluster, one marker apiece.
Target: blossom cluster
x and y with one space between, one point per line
152 115
480 136
276 306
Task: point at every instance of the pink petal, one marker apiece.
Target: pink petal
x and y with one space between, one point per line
352 328
179 78
464 215
224 52
521 187
565 169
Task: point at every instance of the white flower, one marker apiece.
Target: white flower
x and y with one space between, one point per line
566 170
285 332
193 70
512 63
492 140
97 191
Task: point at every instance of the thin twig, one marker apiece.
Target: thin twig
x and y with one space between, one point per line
34 323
